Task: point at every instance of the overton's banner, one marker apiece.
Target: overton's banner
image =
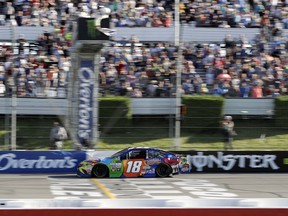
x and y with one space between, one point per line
40 161
86 78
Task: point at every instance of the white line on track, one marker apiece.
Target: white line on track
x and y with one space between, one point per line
155 186
172 197
162 191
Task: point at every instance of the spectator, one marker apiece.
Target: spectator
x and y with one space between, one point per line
136 92
57 135
256 91
227 126
19 18
245 90
2 89
10 11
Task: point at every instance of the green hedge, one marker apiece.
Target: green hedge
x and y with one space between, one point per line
203 112
114 112
281 111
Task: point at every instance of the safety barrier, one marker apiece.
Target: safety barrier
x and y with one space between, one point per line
215 207
60 203
193 161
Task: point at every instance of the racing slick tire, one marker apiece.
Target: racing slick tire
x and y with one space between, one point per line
100 171
163 170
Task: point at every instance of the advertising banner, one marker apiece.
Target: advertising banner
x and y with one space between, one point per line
86 78
40 161
234 161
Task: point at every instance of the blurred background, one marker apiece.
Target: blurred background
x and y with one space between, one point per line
166 77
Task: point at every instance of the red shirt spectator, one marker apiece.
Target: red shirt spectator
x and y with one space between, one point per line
257 92
156 22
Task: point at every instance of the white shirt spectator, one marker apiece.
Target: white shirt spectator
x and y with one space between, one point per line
7 64
2 88
224 24
235 81
111 72
10 9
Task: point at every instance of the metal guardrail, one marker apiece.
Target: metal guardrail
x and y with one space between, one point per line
188 33
30 33
139 106
35 106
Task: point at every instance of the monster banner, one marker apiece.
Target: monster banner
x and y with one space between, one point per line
234 161
86 77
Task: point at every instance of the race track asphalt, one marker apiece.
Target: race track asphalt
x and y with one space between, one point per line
188 186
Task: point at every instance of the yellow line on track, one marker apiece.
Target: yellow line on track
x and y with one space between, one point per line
104 189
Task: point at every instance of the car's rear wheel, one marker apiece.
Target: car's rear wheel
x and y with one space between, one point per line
100 171
163 170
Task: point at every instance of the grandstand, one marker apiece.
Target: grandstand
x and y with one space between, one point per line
242 40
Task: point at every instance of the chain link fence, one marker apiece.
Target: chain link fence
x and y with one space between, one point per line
157 131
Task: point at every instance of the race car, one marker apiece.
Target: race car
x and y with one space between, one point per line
132 162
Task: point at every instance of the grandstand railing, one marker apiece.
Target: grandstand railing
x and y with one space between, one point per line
35 106
29 33
188 33
139 106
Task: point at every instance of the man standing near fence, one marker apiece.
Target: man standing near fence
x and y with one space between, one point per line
228 132
57 135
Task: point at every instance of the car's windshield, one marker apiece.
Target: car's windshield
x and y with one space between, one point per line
119 153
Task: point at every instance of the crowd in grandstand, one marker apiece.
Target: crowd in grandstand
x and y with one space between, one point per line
144 13
38 71
147 13
237 69
240 68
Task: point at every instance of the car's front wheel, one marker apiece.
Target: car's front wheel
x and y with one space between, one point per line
163 170
100 171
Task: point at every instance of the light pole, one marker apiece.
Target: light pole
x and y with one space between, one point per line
13 118
95 137
178 77
13 101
